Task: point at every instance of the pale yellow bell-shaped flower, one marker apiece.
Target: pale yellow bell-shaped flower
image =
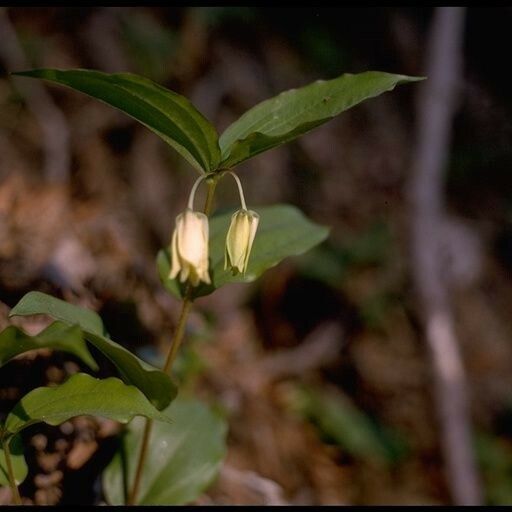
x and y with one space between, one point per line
239 240
189 248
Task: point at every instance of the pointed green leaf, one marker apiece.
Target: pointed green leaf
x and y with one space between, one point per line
283 231
168 114
57 336
19 465
297 111
154 383
182 461
81 395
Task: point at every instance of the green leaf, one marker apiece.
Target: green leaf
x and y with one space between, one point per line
168 114
39 303
57 336
19 465
283 231
182 461
81 395
297 111
154 383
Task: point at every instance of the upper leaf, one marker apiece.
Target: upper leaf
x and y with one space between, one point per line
154 383
283 231
293 113
168 114
58 336
81 395
182 461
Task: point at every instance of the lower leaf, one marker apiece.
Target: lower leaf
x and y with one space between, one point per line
19 465
155 384
183 457
57 336
78 396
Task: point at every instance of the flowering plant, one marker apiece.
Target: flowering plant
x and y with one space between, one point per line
204 254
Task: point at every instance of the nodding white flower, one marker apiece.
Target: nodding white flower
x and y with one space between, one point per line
240 237
189 248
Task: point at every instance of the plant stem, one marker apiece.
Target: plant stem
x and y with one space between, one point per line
210 194
171 355
180 330
10 473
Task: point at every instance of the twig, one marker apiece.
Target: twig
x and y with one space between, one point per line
268 491
55 131
321 347
436 106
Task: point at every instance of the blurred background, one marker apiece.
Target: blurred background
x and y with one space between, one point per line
330 367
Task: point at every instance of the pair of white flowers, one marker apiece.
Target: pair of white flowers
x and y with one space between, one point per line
189 245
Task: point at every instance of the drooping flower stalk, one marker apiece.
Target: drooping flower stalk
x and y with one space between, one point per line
189 252
174 346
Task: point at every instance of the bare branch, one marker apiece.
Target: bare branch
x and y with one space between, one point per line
321 347
437 104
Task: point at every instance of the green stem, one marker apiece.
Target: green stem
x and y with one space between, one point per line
210 194
10 473
180 330
179 334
